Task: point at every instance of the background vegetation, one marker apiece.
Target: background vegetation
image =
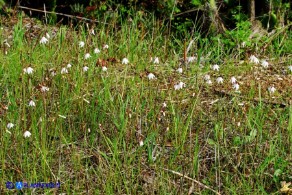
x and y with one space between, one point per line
181 16
142 100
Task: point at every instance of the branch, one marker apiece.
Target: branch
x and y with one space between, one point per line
197 182
61 14
223 93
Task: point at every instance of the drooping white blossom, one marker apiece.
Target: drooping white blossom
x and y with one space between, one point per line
233 80
87 56
179 86
254 59
43 40
10 125
156 60
216 67
96 51
28 70
141 143
191 59
64 71
31 103
125 61
48 36
44 89
81 43
179 70
105 46
27 134
272 89
6 43
85 69
207 77
53 73
236 86
164 105
104 68
219 80
265 64
209 82
151 76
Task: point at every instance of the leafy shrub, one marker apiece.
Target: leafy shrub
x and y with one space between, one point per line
182 16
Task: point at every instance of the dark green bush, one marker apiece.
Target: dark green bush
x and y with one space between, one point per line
181 15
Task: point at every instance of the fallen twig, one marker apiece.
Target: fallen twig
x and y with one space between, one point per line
257 100
61 14
197 182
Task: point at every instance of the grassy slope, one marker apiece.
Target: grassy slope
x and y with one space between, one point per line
86 129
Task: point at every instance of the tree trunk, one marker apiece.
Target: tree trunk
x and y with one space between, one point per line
216 21
252 10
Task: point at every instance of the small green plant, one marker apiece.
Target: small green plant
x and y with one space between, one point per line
77 8
239 38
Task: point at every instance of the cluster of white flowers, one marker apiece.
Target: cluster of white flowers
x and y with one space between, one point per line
255 60
264 64
11 125
150 76
208 79
96 50
234 83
